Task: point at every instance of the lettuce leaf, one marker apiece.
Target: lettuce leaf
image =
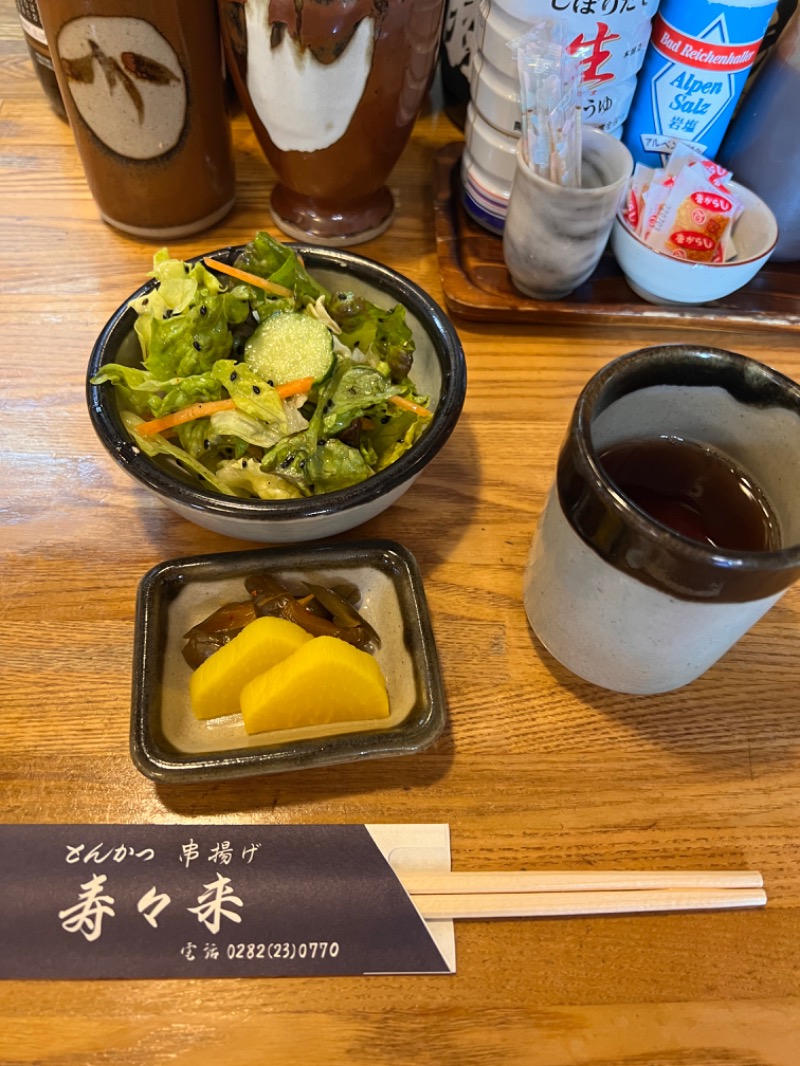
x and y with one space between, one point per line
159 445
374 330
251 393
352 390
247 476
335 465
315 465
270 259
246 428
393 432
145 394
183 325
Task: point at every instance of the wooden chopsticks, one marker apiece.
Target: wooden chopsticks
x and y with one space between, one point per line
560 892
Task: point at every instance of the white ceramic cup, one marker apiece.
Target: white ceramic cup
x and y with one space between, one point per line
619 598
554 235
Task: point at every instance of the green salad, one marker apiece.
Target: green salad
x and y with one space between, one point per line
262 384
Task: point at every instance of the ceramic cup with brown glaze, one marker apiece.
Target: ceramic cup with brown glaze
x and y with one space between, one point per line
144 90
674 521
332 89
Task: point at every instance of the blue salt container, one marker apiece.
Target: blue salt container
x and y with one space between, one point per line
697 62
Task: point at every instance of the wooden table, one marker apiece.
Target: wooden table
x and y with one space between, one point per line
535 769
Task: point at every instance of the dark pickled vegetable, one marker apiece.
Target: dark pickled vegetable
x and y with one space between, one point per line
342 612
320 610
220 627
327 613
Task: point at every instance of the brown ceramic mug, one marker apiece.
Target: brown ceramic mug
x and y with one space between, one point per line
144 90
332 89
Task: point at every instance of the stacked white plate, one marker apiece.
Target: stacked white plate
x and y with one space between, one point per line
612 46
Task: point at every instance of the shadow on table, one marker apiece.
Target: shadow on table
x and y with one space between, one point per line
721 713
321 788
436 512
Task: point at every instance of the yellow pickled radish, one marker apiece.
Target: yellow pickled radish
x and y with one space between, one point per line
325 680
215 685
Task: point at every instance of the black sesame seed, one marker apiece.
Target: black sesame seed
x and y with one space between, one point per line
234 375
256 390
271 383
168 313
145 301
287 461
204 310
198 347
244 463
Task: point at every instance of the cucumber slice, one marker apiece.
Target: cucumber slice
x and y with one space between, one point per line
290 345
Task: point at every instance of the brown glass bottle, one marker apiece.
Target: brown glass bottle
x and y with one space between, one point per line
36 41
762 147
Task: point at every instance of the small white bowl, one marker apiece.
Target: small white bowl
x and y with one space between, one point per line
495 97
494 28
661 278
485 197
493 151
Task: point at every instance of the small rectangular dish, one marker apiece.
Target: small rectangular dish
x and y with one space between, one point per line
169 744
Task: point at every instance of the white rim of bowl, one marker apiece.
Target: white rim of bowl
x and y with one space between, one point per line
694 262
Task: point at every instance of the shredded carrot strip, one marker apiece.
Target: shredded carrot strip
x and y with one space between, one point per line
294 388
417 408
211 407
186 414
250 279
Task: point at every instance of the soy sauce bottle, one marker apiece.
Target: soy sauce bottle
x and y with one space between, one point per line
36 41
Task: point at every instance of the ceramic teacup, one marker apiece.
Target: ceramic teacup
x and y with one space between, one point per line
554 235
619 596
143 85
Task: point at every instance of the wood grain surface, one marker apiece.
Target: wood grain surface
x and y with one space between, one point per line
535 770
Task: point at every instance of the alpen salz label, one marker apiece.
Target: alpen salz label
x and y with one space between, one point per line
694 71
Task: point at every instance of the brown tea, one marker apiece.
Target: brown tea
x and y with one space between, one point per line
695 491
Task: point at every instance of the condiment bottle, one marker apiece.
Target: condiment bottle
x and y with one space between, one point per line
696 65
36 41
762 146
